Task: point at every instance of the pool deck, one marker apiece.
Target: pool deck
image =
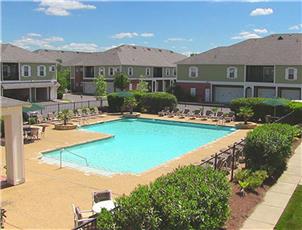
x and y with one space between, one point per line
44 200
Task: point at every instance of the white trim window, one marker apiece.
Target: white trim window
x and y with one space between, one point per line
130 71
41 70
111 71
291 73
52 68
193 71
26 71
148 71
168 72
232 72
193 92
102 71
174 72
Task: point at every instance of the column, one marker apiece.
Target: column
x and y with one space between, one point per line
14 147
164 86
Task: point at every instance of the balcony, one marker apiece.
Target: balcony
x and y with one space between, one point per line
260 74
10 72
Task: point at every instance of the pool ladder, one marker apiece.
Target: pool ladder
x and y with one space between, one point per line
61 159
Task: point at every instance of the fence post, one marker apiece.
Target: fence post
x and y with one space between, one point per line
58 107
88 104
233 161
101 102
215 161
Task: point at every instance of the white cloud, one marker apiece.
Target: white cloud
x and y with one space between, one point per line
253 1
123 35
295 27
146 35
34 41
246 35
179 40
62 7
261 31
262 12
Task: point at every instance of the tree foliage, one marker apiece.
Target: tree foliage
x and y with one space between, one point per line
121 81
101 86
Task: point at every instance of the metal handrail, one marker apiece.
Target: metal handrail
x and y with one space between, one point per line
285 116
61 152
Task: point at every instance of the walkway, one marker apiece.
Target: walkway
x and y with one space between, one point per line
267 213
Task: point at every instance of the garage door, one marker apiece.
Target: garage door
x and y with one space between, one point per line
223 94
291 94
266 92
89 88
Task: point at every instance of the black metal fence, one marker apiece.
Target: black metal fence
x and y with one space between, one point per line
54 108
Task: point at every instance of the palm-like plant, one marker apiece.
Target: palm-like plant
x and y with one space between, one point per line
246 112
65 115
130 103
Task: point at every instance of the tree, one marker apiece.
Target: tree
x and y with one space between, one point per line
121 81
101 86
246 112
63 77
130 103
65 115
142 86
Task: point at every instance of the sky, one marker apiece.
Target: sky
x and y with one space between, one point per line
185 27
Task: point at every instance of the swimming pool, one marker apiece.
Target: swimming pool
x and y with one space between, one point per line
138 144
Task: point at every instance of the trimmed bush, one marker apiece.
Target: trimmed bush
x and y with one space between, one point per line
138 97
155 102
268 148
249 179
191 197
259 107
115 102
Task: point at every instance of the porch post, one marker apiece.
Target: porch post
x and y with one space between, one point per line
14 146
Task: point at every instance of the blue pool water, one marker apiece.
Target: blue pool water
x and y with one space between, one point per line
139 144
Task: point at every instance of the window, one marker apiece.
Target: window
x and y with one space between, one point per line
102 71
193 92
232 72
168 72
291 73
117 70
193 71
111 71
148 71
41 71
174 71
130 71
26 71
52 68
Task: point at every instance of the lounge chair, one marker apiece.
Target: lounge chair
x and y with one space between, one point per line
173 113
164 112
195 114
184 114
207 115
229 117
81 216
218 116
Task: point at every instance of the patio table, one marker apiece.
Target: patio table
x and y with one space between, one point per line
107 204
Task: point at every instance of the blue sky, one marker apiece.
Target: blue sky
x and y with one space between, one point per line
184 27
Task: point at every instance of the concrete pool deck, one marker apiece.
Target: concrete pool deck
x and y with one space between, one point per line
44 200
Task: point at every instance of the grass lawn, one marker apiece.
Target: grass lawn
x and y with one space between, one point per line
292 215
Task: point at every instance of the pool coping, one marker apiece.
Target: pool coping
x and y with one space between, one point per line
88 170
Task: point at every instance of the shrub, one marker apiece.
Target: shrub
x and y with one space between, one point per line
138 97
246 113
60 94
249 180
155 102
32 120
268 147
188 198
295 106
115 102
259 107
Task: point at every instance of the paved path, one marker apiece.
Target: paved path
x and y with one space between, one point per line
267 213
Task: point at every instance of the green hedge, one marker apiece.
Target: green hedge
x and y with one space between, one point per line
191 197
155 102
151 102
269 146
259 107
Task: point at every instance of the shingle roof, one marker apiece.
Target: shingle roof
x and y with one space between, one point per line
64 56
276 49
11 53
127 55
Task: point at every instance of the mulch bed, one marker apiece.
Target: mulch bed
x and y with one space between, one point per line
241 207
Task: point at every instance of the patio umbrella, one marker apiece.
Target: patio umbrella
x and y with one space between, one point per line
34 107
275 102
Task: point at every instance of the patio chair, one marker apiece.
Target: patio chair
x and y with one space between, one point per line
40 118
195 114
34 134
184 114
80 216
173 113
229 117
207 115
218 116
164 112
